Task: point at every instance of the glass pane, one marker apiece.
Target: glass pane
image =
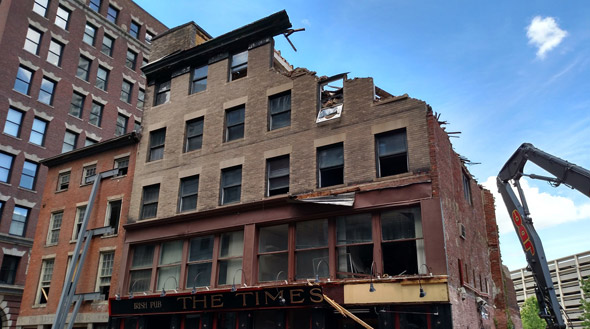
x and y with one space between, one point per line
168 277
310 234
232 177
354 229
142 256
140 280
199 275
280 120
200 72
228 270
273 238
239 59
308 262
189 186
231 194
392 143
232 244
157 138
201 248
171 252
331 156
402 223
273 267
235 116
235 132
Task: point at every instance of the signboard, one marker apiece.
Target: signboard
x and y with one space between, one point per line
216 301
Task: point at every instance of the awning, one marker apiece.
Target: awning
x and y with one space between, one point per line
344 199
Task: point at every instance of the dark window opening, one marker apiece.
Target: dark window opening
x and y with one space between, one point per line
114 215
8 269
403 244
330 165
157 140
277 175
189 189
231 185
149 205
354 242
392 153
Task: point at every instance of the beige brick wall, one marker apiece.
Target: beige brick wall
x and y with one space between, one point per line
361 119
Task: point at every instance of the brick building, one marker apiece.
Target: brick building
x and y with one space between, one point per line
71 77
66 199
268 197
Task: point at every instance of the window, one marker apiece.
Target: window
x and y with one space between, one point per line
107 45
19 221
148 37
234 123
330 165
392 153
140 98
102 78
27 179
112 14
273 255
136 126
141 268
22 84
113 215
277 172
194 135
199 79
77 105
80 213
231 249
63 181
403 244
33 40
54 228
121 127
122 164
6 161
70 139
157 139
96 114
149 202
189 189
311 249
38 132
200 260
87 172
162 93
131 59
95 5
126 89
105 271
466 187
238 66
83 71
8 269
89 141
55 52
62 19
169 265
354 245
89 34
279 111
46 91
45 281
14 120
134 29
40 7
231 185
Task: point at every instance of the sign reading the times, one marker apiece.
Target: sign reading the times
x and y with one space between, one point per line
222 300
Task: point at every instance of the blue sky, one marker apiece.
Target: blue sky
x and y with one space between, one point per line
500 72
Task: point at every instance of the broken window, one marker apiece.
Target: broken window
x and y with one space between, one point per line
113 215
330 165
238 66
45 281
162 93
331 95
273 253
392 153
403 243
105 271
354 245
87 173
311 249
277 170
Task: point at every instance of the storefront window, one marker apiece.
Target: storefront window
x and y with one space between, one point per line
231 249
354 245
141 268
169 265
312 249
273 258
200 259
403 243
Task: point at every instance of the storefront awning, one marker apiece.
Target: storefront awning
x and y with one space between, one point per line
344 199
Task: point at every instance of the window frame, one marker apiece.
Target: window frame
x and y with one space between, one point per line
126 94
89 38
12 124
88 171
198 126
322 170
115 221
240 122
150 202
33 40
54 228
131 61
95 5
14 230
32 177
80 98
3 168
96 112
105 48
71 133
197 77
82 71
188 195
162 92
9 269
121 128
466 188
35 131
102 78
78 221
62 183
225 186
60 20
274 99
270 176
381 158
134 29
22 70
140 99
122 164
105 270
238 68
45 276
154 153
40 8
55 57
112 14
46 94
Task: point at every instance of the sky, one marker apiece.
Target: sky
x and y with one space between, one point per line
499 72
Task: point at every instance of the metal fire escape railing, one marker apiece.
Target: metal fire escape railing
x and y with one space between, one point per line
68 294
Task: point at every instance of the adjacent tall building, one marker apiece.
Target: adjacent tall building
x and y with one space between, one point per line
71 78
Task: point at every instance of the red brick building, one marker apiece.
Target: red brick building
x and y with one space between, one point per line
71 77
66 198
269 197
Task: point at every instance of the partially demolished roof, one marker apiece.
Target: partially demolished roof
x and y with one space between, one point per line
267 27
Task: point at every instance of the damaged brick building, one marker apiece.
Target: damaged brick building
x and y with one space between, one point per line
268 197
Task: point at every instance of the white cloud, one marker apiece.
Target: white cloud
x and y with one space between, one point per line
544 34
546 210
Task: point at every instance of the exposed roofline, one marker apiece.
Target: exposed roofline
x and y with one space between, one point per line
109 144
266 27
180 27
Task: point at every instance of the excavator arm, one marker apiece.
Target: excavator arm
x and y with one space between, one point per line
565 173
